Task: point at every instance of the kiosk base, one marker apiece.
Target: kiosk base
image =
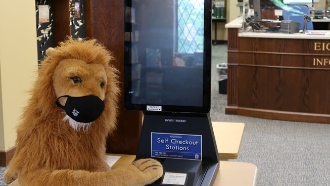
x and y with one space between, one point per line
200 172
205 176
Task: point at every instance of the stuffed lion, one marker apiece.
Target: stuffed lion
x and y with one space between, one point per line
61 138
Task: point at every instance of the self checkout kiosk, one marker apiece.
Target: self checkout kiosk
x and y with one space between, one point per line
167 70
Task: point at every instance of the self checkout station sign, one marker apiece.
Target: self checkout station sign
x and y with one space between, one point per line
180 146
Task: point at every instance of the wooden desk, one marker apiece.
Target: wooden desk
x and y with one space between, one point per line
231 173
279 76
228 137
236 173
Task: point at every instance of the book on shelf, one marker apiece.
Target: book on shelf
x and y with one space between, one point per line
222 9
216 12
222 12
130 14
127 14
136 35
136 71
132 18
216 9
219 10
134 55
136 88
131 55
128 36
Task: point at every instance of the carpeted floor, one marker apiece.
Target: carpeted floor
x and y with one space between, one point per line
286 153
2 170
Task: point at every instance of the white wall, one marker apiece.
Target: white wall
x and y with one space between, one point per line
18 62
320 5
2 135
232 12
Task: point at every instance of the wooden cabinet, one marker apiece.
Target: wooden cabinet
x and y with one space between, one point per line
275 78
107 26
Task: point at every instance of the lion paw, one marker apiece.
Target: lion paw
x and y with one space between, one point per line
9 176
150 167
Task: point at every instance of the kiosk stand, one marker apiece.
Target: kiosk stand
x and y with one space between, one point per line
167 70
184 144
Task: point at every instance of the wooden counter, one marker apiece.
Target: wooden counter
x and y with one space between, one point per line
279 78
228 137
314 34
231 173
236 174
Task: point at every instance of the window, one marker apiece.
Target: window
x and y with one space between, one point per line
190 26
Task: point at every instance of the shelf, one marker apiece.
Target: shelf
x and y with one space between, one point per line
132 23
219 19
131 42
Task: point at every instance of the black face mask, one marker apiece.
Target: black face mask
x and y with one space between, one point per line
83 109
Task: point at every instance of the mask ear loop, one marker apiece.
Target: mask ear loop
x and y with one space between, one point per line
58 103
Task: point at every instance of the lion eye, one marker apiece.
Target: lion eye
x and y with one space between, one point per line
76 79
102 84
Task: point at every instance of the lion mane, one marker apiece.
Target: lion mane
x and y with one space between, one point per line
51 152
42 136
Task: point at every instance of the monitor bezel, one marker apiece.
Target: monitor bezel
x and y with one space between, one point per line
298 3
206 106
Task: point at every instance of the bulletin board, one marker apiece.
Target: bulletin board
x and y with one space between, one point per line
44 26
77 19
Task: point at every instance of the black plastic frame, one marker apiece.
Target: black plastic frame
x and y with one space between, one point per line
195 124
205 108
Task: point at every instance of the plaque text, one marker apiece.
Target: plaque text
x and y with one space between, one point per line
322 46
321 61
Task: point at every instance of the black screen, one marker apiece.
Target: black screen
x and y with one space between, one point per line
167 55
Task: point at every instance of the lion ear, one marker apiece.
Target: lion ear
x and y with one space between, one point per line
50 51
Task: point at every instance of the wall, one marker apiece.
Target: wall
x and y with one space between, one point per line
2 137
232 12
320 5
18 62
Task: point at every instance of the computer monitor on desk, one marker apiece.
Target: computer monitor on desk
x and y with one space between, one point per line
296 13
259 5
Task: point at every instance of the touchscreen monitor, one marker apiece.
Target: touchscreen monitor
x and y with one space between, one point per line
167 55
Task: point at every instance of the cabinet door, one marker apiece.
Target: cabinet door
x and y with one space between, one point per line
107 26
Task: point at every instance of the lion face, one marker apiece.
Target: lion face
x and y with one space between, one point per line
76 78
